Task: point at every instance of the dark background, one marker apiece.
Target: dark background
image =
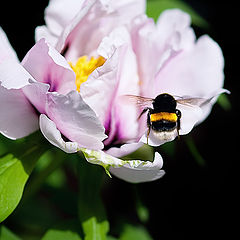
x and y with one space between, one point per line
190 201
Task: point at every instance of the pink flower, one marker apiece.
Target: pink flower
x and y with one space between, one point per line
45 81
112 49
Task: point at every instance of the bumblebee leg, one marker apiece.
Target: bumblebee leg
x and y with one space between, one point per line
149 126
178 133
143 111
179 114
148 132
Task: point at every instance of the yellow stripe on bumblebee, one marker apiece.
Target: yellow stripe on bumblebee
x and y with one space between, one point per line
172 117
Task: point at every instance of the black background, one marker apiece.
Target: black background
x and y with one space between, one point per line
190 201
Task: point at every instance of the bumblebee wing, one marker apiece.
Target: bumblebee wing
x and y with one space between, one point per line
193 102
140 102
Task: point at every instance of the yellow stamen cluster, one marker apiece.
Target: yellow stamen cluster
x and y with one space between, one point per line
84 67
172 117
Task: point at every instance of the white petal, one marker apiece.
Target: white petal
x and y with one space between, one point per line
13 75
70 27
18 118
134 171
47 65
43 32
6 50
198 72
58 14
118 76
75 119
95 20
98 91
190 117
36 93
175 25
145 172
53 135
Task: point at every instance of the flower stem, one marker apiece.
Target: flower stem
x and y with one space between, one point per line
194 151
91 210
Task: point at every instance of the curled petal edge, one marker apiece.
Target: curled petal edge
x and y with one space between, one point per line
141 171
53 135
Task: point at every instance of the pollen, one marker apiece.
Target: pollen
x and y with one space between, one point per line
172 117
84 67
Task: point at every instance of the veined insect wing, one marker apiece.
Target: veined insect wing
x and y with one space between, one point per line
192 101
140 102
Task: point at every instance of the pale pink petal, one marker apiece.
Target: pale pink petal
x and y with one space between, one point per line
98 91
75 119
43 32
53 135
13 75
145 172
57 15
94 21
18 118
197 72
128 83
155 44
175 28
190 117
118 76
6 50
60 13
36 93
146 47
48 66
128 8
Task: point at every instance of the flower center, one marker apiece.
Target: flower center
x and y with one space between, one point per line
84 67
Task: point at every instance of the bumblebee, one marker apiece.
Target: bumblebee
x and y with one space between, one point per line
163 117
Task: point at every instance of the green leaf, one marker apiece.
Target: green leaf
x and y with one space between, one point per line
47 165
95 230
54 234
224 102
6 234
111 238
155 7
134 232
14 172
169 148
145 153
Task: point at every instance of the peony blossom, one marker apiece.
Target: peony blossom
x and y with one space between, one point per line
42 83
108 49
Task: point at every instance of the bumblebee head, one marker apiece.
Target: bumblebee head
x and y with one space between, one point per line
164 103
